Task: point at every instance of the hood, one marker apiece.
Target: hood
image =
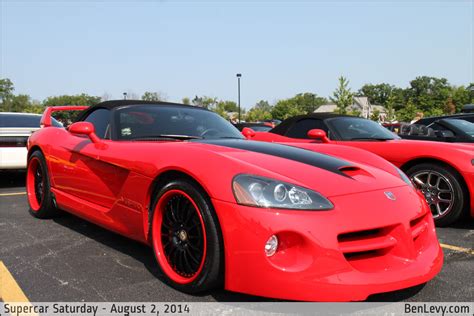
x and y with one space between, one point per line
329 175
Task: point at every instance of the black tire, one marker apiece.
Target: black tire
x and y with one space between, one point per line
211 273
460 194
41 204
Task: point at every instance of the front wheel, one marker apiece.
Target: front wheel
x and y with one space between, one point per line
186 237
38 188
443 191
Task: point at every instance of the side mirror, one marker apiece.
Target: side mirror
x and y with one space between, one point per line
84 128
318 134
248 132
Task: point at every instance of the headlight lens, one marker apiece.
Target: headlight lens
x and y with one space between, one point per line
404 177
265 192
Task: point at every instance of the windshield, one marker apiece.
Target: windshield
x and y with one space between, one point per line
353 128
171 121
23 120
465 126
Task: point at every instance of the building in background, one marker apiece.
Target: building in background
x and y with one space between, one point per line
360 105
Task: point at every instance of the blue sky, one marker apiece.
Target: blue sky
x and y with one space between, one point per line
196 48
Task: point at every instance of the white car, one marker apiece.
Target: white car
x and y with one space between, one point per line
15 128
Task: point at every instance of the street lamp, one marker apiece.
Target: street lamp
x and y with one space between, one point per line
125 95
238 88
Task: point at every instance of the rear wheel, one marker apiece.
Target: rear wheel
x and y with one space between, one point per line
40 198
443 190
186 237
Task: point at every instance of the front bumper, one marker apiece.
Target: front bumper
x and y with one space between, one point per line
368 244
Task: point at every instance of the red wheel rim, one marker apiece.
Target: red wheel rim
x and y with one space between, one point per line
35 184
179 236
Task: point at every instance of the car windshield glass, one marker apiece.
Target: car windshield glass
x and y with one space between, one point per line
465 126
141 122
353 128
22 120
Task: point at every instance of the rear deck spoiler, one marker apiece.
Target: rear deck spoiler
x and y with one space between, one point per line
46 118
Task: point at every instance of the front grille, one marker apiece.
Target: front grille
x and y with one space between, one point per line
418 228
366 242
13 141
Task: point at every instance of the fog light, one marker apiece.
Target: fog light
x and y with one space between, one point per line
271 246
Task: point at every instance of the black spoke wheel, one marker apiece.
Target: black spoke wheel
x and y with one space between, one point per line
186 237
40 198
182 234
39 184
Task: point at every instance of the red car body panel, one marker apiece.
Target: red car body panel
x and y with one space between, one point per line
110 183
400 152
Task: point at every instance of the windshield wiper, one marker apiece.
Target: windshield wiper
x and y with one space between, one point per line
370 138
167 136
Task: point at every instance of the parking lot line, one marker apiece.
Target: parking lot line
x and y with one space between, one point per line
9 289
12 194
456 248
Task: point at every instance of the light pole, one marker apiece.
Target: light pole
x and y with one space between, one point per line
125 95
238 89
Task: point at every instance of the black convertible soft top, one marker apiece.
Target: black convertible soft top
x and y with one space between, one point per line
286 124
118 103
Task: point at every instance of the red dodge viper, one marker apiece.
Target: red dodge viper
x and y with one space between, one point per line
219 210
443 172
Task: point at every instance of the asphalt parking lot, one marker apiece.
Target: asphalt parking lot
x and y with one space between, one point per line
69 259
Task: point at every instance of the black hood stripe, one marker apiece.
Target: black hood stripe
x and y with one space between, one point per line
305 156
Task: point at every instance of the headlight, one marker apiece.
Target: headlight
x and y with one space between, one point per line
264 192
404 177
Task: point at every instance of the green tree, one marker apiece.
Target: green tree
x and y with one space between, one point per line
429 94
257 115
398 98
228 106
6 94
219 109
79 99
390 108
354 112
6 89
377 93
186 100
259 112
263 105
342 96
153 96
461 96
375 115
205 102
20 103
407 113
284 109
308 102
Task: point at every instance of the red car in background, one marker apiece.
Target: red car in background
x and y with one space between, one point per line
444 172
219 210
